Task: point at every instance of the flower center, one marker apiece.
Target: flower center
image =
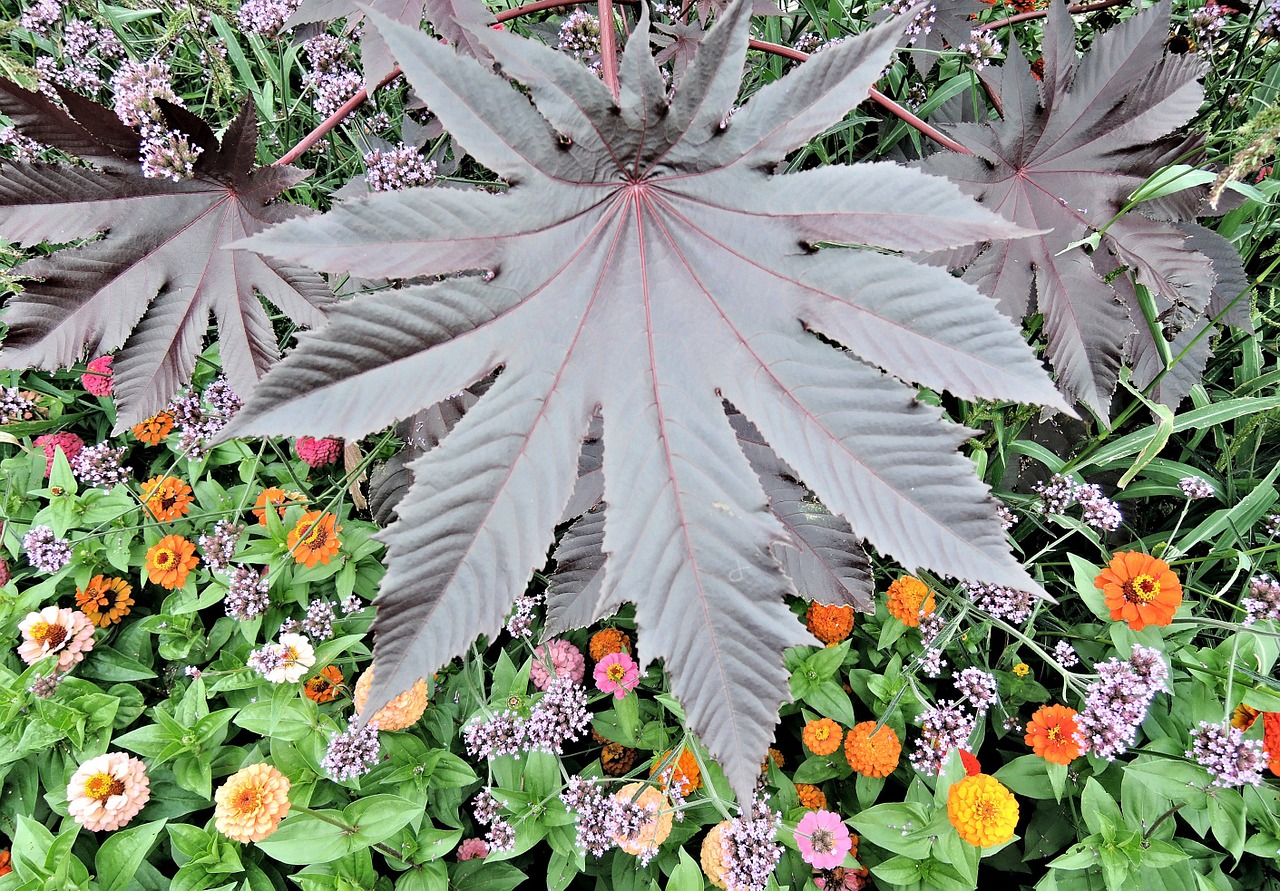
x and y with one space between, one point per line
314 531
248 800
823 841
102 786
1055 734
291 654
985 810
616 672
1141 589
166 559
43 632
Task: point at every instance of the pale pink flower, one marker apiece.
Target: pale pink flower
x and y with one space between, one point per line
823 839
67 632
473 849
618 674
108 791
566 662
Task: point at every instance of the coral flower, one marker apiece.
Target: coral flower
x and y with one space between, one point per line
822 736
401 712
167 497
169 560
1140 589
1052 732
315 538
108 791
566 662
6 863
617 673
683 772
251 803
1271 740
811 796
70 444
609 640
66 632
972 767
278 498
654 828
154 429
323 687
982 810
97 376
105 600
711 856
823 839
909 599
872 754
472 849
318 452
829 624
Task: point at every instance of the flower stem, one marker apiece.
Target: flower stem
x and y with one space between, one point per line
1074 9
608 47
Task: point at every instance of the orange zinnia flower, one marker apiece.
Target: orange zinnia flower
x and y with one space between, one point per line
607 642
682 773
167 497
829 624
1051 733
1244 716
822 736
1140 589
315 538
324 686
811 797
982 810
169 561
154 429
105 600
277 497
909 599
1271 739
872 754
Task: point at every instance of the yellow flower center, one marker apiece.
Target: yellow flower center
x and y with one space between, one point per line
1055 734
822 732
313 533
1142 589
248 799
102 786
616 672
165 559
43 632
291 654
985 810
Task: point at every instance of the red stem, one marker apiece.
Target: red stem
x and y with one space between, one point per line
876 96
1074 9
608 47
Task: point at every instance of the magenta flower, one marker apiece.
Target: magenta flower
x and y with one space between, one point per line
823 839
618 674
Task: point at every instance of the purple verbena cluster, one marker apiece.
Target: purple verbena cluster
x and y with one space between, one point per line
1263 601
602 819
40 16
246 594
1065 654
398 168
580 34
219 545
559 716
353 752
167 154
265 17
1058 494
318 625
45 551
352 604
25 150
979 687
136 87
505 733
921 23
200 418
45 686
100 465
485 807
931 661
1008 519
501 835
14 405
331 77
1008 604
1206 24
520 624
1231 759
1195 487
751 849
1269 23
944 726
981 48
1116 704
267 659
1099 511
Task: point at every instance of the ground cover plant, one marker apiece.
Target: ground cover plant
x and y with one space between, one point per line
736 445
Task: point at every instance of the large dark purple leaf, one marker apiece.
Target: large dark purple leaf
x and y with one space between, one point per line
159 270
1065 159
646 265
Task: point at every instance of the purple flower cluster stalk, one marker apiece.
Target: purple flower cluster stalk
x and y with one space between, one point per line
506 733
981 48
1065 654
580 35
40 16
751 849
14 406
318 625
1116 704
137 86
1008 604
353 752
1195 487
267 659
45 551
945 726
1263 601
1231 759
265 17
219 545
979 687
45 686
485 807
1058 494
80 39
521 622
809 42
932 663
1008 519
246 594
99 465
921 24
598 817
1269 24
25 150
200 418
1207 23
398 168
560 716
501 835
1100 512
330 77
167 154
1272 525
353 604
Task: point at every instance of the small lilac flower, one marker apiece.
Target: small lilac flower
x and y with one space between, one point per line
353 752
1263 601
40 16
168 154
45 686
485 807
1058 494
265 17
99 466
1065 654
506 733
246 594
1116 704
1272 525
14 406
501 835
944 726
751 849
981 48
45 551
26 150
318 625
1100 512
268 659
137 86
398 168
1231 759
352 604
597 815
560 716
1195 487
921 23
521 622
580 35
1008 519
331 77
979 687
219 545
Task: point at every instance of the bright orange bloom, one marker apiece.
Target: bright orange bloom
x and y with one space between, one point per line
6 866
274 496
829 624
169 560
811 797
982 810
684 773
315 538
1271 739
872 754
608 641
105 600
1244 716
972 767
323 687
167 497
772 755
909 599
822 736
1140 589
154 429
1051 733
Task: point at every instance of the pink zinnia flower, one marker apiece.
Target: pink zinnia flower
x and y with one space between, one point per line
823 840
473 849
67 632
70 444
618 674
566 662
97 379
318 452
108 791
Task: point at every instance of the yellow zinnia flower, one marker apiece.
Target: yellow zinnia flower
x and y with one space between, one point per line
982 810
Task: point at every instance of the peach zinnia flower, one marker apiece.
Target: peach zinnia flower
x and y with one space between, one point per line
401 712
1051 733
829 624
167 497
154 429
315 538
872 754
277 498
67 632
108 791
654 828
169 560
105 600
251 803
711 857
1140 589
982 810
324 687
909 599
822 736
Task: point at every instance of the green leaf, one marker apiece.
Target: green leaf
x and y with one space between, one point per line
485 875
430 876
1026 775
1084 573
118 859
627 712
687 876
561 870
830 700
1100 811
